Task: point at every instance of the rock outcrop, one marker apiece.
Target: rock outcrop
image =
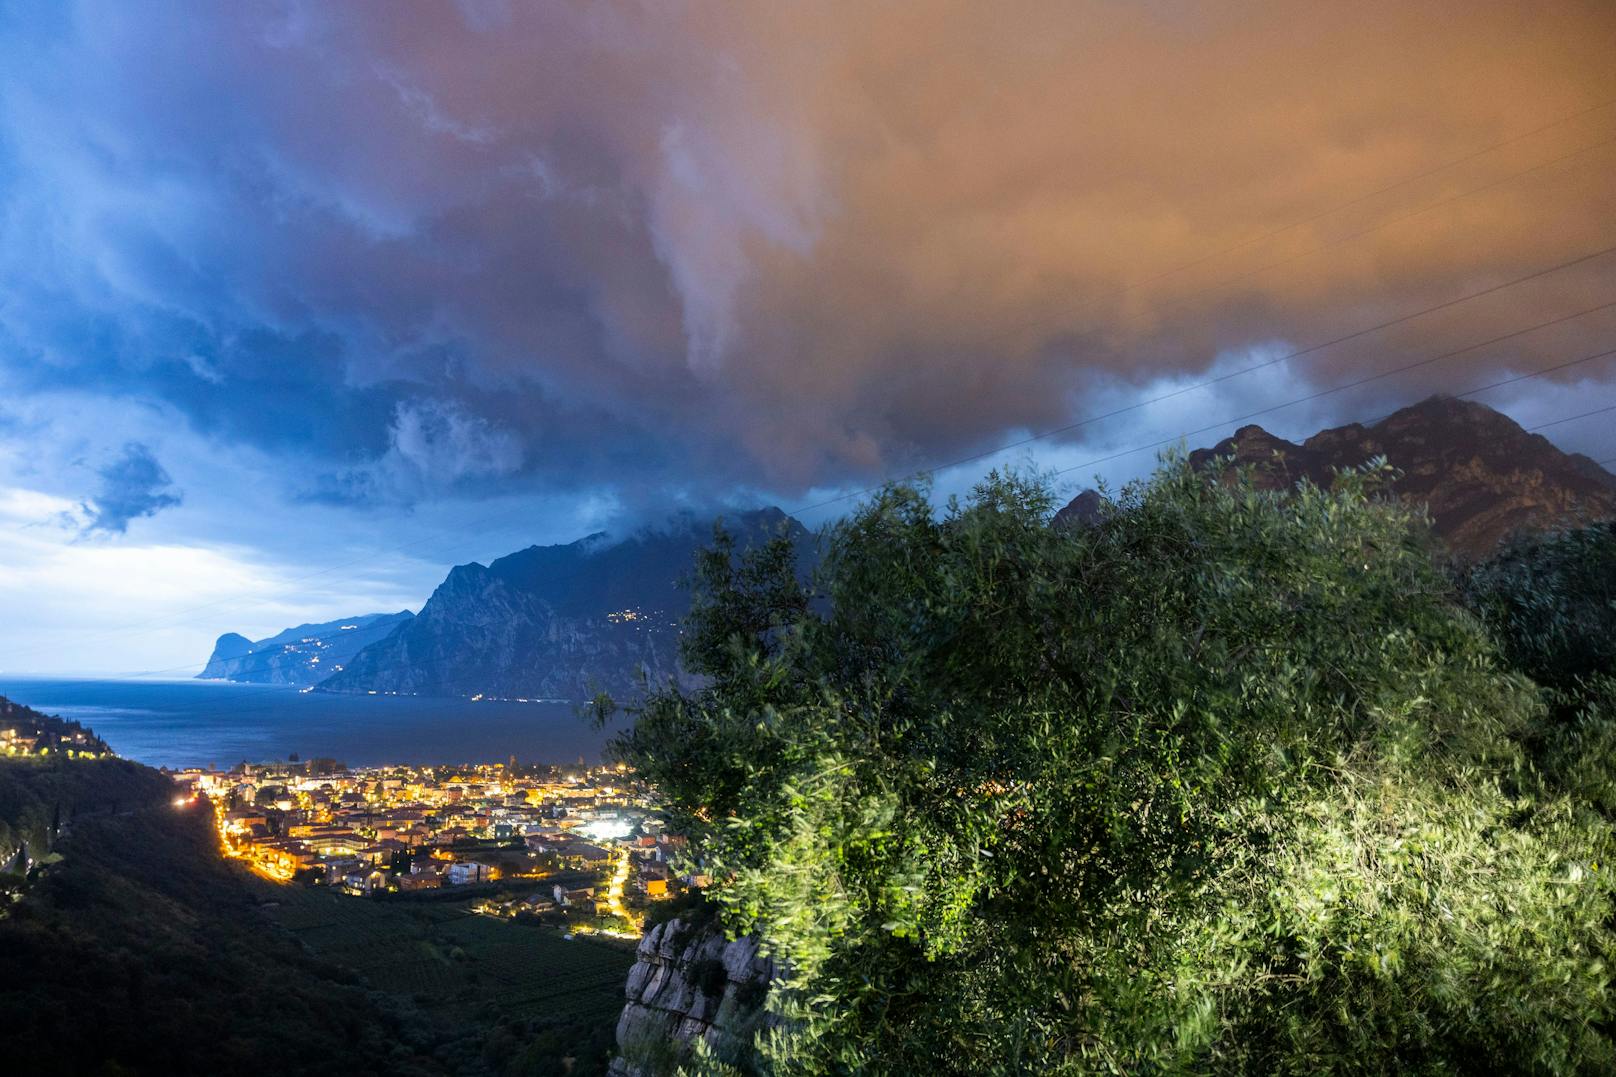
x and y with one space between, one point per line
1081 511
1480 475
690 983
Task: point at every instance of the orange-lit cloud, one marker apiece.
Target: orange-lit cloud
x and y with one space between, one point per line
782 245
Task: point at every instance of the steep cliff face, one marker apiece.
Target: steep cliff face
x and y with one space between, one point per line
1481 476
553 622
690 983
300 656
483 633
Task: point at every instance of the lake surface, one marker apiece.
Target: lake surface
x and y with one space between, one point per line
198 723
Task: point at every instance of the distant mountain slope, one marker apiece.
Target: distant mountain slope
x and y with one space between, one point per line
553 622
304 655
1481 476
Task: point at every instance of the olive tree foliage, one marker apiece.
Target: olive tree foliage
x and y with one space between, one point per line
1224 781
1550 601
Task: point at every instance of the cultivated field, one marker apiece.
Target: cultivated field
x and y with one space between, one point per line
448 959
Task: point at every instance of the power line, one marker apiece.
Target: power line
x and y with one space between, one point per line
1326 392
1038 323
248 601
1206 383
1026 327
244 690
1572 418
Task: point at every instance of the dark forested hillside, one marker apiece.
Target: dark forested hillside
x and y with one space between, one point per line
24 730
42 799
136 949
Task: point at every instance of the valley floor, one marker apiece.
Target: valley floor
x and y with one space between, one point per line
461 967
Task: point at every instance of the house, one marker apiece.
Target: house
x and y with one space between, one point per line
337 871
584 895
283 855
652 880
343 844
411 881
548 841
463 872
583 855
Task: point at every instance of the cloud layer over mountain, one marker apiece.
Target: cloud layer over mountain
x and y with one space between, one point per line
428 247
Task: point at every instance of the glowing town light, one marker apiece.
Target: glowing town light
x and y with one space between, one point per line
607 829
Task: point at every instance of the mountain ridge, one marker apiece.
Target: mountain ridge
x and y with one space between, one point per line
554 622
1481 475
568 620
302 655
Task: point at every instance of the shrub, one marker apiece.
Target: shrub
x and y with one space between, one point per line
690 907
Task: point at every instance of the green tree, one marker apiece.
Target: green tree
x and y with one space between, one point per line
1550 600
1226 780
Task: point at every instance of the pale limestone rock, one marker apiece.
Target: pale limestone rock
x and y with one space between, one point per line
667 1009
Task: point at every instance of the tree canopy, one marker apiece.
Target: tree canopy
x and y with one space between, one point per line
1222 780
1551 601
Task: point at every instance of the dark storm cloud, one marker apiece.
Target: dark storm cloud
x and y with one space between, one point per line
132 486
423 247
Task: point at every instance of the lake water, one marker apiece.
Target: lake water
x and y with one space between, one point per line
198 723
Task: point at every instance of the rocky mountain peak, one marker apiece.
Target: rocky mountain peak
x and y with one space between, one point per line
1480 475
232 645
556 622
302 655
1081 511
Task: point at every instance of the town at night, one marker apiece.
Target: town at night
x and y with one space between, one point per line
593 538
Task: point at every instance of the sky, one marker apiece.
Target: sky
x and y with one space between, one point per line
301 303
